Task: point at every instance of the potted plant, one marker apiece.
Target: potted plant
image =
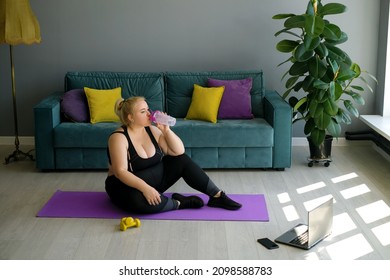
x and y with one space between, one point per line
321 81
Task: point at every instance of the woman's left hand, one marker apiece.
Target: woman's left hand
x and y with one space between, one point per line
164 128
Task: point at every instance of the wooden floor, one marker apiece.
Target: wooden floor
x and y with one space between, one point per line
358 179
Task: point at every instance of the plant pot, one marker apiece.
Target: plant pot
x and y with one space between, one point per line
323 151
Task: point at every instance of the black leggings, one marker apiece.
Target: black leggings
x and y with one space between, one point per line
175 167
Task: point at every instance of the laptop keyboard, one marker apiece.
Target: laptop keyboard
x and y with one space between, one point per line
301 240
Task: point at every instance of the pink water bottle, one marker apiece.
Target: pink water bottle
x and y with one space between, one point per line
161 118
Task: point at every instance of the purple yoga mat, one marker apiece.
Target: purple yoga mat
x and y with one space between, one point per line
76 204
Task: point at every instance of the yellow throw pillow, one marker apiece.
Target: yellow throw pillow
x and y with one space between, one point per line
205 103
101 104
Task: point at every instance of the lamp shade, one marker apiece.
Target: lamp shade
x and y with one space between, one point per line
18 24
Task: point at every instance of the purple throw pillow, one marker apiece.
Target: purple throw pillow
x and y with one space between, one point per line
74 106
236 99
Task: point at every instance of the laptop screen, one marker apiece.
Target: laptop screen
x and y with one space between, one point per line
320 221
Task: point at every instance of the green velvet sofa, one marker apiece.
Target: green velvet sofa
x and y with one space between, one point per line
261 142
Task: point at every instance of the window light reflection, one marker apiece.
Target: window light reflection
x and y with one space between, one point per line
284 197
311 204
342 223
311 187
350 248
382 232
374 211
291 213
344 177
355 191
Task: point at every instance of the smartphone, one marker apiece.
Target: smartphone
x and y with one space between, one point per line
267 243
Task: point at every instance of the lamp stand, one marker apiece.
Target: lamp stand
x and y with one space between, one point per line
17 154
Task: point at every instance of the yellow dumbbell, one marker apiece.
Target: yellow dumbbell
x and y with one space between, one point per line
128 222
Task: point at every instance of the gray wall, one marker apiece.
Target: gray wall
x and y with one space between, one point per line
164 35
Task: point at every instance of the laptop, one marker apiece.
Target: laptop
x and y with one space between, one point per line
319 226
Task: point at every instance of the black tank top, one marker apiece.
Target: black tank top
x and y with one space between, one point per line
135 162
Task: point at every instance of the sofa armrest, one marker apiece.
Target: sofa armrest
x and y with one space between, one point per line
278 113
46 117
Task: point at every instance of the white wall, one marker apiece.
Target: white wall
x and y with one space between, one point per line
164 35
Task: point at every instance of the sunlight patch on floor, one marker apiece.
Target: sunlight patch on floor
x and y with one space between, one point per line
311 204
355 191
311 187
382 232
284 198
344 177
374 211
291 213
350 248
342 223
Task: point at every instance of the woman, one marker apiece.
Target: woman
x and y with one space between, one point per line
147 160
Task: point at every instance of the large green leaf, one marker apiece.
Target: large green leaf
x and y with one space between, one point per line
330 107
317 136
293 101
343 117
307 83
311 43
356 68
338 91
286 93
322 121
349 106
332 90
334 66
300 103
310 8
345 73
320 84
295 22
336 53
298 86
316 108
286 46
331 32
298 69
332 9
342 39
317 68
359 88
314 25
309 126
301 54
287 31
291 81
321 50
282 16
334 128
356 97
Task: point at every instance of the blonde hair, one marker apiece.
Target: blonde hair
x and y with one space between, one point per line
125 107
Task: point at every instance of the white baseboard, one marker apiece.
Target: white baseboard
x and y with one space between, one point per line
341 141
23 140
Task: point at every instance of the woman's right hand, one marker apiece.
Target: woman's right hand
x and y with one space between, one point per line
152 196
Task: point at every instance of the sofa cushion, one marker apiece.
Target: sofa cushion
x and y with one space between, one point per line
205 103
83 135
147 84
74 106
179 87
225 133
101 103
236 99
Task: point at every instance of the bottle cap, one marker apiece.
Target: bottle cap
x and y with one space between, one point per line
152 117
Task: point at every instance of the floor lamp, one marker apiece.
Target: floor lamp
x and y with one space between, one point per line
18 25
